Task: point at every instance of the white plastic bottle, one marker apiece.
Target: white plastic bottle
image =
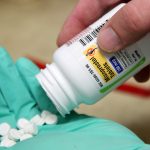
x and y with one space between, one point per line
81 73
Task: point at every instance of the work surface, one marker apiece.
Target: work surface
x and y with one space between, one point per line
30 27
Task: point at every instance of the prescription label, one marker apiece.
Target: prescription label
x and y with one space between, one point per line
103 67
99 63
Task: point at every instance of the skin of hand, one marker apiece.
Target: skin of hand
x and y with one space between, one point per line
126 27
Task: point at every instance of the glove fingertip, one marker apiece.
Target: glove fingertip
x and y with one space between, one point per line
4 56
2 50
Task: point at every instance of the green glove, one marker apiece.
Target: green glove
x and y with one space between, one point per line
13 90
84 133
5 113
73 132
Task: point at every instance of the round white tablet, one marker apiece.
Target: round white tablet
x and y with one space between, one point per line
25 137
51 119
45 113
31 129
14 134
22 122
4 137
37 120
4 129
48 117
7 142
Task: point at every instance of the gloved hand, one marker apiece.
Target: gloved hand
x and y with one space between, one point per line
22 96
16 99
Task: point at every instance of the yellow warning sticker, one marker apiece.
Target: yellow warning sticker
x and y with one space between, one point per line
100 63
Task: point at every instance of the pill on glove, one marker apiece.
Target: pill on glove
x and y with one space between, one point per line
4 137
37 120
51 119
48 117
25 137
15 134
4 129
30 129
45 113
7 142
22 122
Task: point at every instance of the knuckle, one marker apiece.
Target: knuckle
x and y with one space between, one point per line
133 18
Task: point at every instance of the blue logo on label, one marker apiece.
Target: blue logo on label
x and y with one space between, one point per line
116 64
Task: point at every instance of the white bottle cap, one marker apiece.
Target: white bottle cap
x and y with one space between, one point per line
52 80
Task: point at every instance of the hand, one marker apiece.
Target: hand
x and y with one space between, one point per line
18 90
127 26
22 96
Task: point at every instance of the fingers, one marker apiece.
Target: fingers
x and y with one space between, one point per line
13 89
127 26
84 14
143 75
5 114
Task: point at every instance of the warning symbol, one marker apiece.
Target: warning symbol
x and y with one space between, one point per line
91 51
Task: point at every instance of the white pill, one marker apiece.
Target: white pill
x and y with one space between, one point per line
48 117
45 113
51 119
37 120
14 134
31 129
7 142
4 129
22 122
4 137
25 137
21 131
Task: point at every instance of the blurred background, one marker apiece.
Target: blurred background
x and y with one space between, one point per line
30 28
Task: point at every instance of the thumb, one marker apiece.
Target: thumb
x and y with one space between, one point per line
126 27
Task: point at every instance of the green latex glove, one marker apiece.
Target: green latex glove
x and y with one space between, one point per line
77 132
15 99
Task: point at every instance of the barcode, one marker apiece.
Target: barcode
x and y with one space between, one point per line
91 36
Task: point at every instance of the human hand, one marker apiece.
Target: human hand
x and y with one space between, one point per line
21 96
20 93
124 28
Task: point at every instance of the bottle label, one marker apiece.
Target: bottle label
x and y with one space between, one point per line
99 63
104 67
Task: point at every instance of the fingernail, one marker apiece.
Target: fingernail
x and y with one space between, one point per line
108 40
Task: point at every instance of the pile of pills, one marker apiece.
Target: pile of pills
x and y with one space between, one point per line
25 128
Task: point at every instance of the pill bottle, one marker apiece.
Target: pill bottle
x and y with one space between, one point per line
82 73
